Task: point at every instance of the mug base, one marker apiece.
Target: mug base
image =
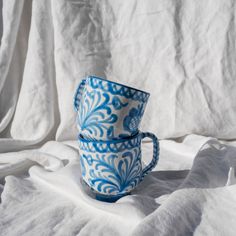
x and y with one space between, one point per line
109 198
103 197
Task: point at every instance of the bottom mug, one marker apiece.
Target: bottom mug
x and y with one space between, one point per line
113 168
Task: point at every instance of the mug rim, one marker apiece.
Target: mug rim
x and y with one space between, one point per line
113 82
120 140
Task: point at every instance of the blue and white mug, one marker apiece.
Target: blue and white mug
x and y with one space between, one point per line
107 110
113 168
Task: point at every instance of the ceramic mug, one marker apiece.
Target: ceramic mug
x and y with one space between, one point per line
113 168
107 110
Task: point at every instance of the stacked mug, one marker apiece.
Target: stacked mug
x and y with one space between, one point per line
108 119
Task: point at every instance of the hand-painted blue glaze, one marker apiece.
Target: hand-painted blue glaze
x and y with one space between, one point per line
107 110
132 120
118 89
78 94
114 168
114 146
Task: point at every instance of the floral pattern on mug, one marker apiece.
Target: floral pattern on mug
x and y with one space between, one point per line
134 117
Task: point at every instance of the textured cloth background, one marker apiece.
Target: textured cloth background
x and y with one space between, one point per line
181 51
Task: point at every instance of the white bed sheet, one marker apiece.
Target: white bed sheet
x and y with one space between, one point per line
184 195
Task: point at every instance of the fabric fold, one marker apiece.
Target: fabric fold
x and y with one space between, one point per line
160 205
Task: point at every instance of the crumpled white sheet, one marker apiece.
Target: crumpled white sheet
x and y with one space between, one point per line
52 199
182 52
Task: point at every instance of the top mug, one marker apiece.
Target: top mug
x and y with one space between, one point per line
108 110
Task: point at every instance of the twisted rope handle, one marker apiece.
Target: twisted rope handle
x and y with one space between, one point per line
155 157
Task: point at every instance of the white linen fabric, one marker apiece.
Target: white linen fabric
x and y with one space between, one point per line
182 52
52 200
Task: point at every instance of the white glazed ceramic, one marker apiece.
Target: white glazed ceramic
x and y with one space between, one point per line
114 168
107 110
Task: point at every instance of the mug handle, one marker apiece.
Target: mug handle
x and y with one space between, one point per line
78 94
155 157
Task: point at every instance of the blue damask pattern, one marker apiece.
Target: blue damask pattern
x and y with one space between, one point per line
111 174
95 114
118 89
